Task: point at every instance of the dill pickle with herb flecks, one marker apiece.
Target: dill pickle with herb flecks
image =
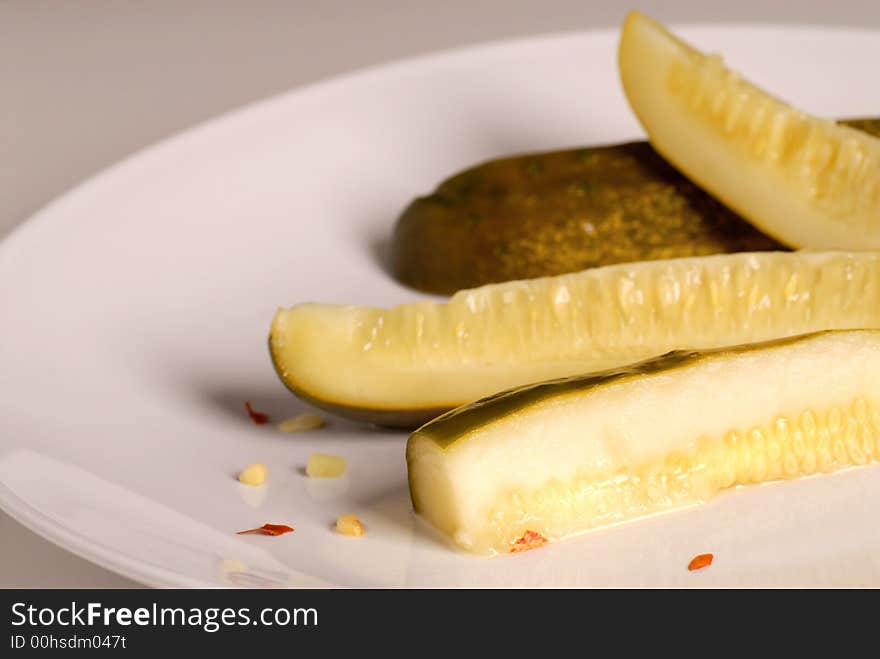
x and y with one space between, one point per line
550 213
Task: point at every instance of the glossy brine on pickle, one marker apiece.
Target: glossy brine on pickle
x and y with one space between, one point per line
404 365
563 457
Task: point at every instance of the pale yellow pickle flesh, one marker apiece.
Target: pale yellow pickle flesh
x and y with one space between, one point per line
808 182
584 454
434 356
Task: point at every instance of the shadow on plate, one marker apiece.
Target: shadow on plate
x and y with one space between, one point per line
277 403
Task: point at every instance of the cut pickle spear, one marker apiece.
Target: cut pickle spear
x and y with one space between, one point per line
405 365
559 458
806 181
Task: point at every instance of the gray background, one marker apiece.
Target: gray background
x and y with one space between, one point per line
84 83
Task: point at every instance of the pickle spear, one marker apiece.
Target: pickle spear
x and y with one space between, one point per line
550 213
551 460
808 182
403 366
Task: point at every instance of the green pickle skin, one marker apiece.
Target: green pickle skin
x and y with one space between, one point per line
455 424
550 213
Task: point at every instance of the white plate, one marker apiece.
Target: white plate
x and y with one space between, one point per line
136 311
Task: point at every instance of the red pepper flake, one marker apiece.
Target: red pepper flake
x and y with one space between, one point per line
269 529
257 417
701 561
529 540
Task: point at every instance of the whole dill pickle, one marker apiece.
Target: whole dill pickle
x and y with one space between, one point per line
550 213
